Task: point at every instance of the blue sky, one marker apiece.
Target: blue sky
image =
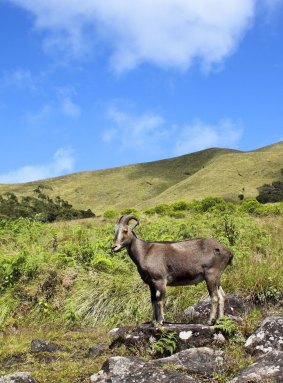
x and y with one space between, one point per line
96 84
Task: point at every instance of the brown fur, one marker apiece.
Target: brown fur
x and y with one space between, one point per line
175 264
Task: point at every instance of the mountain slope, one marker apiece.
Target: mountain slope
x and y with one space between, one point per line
219 172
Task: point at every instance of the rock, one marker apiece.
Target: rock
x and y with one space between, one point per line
235 306
187 335
268 337
39 345
120 331
156 376
219 339
202 361
267 368
117 365
97 350
17 377
118 334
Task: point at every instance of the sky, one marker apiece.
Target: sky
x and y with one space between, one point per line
93 84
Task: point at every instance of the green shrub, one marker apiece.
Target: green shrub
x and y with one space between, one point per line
101 263
130 211
110 214
40 207
271 193
213 203
181 206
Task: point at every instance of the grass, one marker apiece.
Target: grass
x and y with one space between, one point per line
72 364
193 176
60 282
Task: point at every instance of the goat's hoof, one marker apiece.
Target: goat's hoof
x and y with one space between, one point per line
157 323
211 322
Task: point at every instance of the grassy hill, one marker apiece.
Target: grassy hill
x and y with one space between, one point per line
216 172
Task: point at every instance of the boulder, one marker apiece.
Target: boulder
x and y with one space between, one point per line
121 365
118 366
267 368
187 335
17 377
235 307
268 337
147 376
202 361
39 345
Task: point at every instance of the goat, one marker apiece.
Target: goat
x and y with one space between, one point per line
175 264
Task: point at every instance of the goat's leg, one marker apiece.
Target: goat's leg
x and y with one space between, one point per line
157 297
153 302
221 295
212 286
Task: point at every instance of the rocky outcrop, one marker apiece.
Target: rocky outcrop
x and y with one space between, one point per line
177 368
267 368
203 361
267 345
235 307
148 375
17 377
187 335
194 361
268 337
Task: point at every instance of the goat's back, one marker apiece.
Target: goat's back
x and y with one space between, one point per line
191 255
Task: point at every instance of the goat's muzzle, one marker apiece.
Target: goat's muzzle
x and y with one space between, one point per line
115 248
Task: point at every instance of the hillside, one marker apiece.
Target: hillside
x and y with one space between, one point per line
217 172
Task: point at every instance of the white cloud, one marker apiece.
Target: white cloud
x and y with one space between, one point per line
149 133
62 105
69 108
20 78
138 132
61 163
200 135
40 116
164 32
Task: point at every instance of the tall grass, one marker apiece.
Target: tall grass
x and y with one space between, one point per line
66 273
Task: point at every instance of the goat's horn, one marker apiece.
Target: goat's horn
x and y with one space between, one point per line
125 219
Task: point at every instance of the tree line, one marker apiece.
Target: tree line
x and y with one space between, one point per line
40 206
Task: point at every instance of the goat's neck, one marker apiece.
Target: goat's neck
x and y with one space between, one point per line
137 250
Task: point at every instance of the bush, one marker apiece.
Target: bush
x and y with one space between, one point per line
253 206
110 214
213 203
40 207
130 211
162 210
181 206
271 193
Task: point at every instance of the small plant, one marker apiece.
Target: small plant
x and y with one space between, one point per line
230 229
43 307
166 344
227 326
270 294
251 321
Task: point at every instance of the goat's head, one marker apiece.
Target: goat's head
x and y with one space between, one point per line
123 232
